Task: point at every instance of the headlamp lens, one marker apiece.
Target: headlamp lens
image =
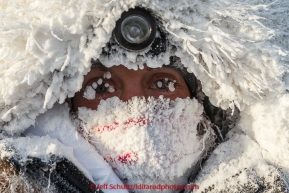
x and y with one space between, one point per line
135 29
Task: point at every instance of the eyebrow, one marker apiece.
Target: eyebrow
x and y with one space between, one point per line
152 69
164 66
100 67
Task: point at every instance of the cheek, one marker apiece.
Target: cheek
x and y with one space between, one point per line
185 93
181 95
79 101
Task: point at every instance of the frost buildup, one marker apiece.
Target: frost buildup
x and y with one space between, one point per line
89 93
107 75
94 85
150 126
159 84
111 89
172 86
216 40
99 81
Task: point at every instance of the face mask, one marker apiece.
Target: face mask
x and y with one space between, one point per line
148 140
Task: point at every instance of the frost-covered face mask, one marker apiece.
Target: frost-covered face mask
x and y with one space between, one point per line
148 140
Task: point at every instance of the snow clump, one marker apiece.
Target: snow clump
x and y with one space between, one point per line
89 93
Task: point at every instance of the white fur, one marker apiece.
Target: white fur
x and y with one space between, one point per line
46 48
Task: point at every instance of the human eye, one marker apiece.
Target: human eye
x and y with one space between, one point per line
164 84
98 88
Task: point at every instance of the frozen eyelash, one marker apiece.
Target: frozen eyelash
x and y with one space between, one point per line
94 85
99 81
107 75
172 86
89 93
111 89
159 83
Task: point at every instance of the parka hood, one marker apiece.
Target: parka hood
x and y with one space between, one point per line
46 48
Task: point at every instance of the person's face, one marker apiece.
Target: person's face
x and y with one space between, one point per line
148 82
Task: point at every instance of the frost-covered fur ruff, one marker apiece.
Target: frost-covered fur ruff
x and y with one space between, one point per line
240 165
255 156
12 181
46 48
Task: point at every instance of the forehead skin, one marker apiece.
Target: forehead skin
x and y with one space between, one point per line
129 83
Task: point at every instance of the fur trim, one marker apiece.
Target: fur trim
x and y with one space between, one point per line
46 48
12 181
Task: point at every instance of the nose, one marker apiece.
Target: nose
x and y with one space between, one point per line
132 89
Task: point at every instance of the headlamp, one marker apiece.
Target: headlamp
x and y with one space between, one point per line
135 30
